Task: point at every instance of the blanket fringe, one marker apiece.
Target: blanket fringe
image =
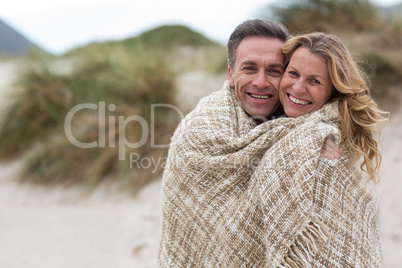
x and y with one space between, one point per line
308 243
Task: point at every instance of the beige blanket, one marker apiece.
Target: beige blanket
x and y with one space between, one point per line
239 195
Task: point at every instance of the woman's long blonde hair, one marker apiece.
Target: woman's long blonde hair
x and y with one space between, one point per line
359 114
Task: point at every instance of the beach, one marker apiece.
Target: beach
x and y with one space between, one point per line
52 226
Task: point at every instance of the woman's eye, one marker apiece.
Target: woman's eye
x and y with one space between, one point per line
293 73
315 81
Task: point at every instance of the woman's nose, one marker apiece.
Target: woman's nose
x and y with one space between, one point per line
299 86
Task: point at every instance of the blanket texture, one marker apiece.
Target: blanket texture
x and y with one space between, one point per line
237 194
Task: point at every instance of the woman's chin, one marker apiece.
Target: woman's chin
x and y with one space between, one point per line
294 112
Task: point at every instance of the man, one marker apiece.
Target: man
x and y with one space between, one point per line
214 153
256 66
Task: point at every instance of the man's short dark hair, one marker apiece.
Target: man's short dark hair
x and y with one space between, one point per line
257 27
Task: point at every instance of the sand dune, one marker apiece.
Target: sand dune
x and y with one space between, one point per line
55 227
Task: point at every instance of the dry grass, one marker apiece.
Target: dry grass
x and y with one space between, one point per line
129 81
128 76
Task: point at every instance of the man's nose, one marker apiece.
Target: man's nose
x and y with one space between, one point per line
261 79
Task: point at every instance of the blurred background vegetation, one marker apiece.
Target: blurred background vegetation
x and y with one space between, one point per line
135 73
373 35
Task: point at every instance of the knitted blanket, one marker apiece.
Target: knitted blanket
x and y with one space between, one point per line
235 194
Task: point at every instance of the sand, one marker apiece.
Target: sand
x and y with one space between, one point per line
56 227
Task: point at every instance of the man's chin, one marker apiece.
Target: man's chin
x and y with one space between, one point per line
258 117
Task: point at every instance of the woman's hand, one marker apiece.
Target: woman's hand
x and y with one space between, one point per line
330 149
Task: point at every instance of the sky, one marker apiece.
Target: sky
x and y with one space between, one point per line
60 25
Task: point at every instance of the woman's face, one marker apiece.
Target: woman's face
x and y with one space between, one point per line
305 86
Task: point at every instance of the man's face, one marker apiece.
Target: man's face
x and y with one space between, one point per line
256 75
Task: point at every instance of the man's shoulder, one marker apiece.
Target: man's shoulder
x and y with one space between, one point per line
216 97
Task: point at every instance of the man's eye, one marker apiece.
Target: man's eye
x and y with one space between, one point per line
275 72
248 68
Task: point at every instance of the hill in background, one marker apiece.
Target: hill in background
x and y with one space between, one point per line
169 36
185 49
12 43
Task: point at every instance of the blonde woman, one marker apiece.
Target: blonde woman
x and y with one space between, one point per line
341 80
318 212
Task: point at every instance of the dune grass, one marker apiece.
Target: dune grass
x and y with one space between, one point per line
121 81
121 78
327 16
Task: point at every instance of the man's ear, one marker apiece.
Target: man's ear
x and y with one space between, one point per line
231 77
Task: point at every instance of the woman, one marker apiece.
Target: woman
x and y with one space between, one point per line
318 212
319 70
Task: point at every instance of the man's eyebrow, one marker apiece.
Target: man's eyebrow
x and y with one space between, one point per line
248 62
279 65
253 63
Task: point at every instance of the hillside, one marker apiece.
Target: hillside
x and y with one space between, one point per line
164 37
185 49
12 43
168 36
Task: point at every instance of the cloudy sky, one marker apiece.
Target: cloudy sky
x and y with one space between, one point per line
59 25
